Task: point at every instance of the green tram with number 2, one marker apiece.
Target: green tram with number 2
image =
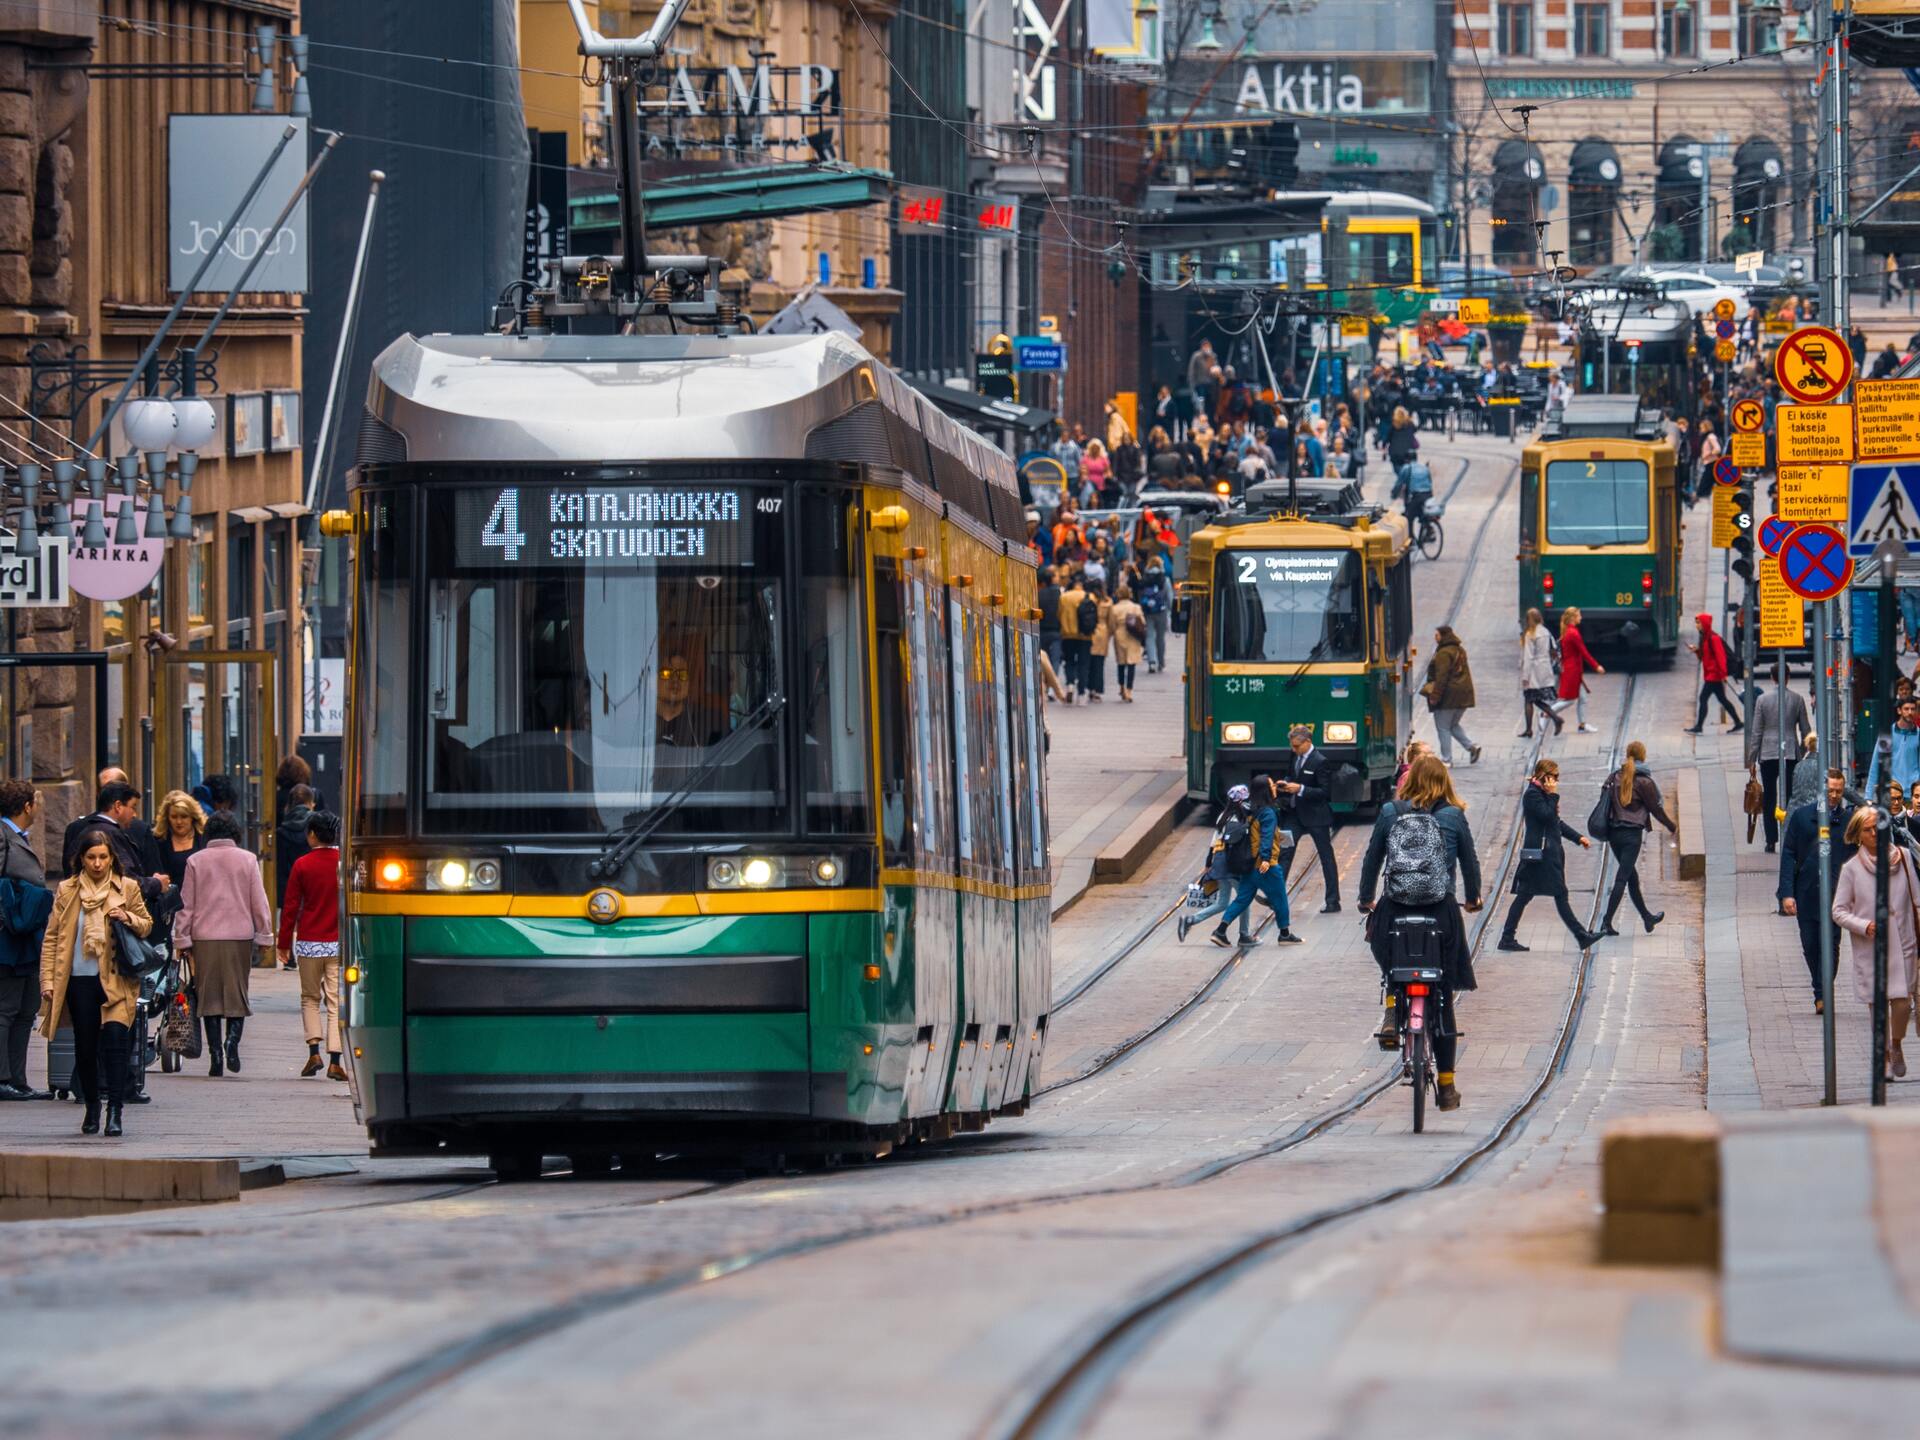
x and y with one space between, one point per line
696 777
1304 617
1600 528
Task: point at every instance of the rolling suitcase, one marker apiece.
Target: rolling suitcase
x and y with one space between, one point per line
60 1064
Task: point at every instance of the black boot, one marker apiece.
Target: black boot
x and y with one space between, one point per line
234 1027
91 1124
113 1117
1606 927
116 1052
1511 942
211 1023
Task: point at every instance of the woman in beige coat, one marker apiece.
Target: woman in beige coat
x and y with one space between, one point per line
1102 641
1127 646
81 979
1853 907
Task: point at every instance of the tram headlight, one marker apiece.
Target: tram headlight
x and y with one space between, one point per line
462 875
439 874
775 872
1340 732
452 875
1236 732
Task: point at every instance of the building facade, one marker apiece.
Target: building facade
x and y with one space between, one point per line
88 95
1609 131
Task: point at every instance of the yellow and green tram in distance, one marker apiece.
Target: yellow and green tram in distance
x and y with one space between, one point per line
1600 527
1299 612
696 780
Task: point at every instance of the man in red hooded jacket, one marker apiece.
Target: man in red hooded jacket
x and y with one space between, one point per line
1712 651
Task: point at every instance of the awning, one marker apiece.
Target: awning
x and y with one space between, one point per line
756 192
1757 162
984 410
1519 160
1594 162
1676 166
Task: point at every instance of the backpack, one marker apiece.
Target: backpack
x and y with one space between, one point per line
1088 616
1236 839
1416 868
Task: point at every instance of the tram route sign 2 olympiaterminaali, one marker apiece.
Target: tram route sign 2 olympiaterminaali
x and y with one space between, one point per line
1814 562
1813 364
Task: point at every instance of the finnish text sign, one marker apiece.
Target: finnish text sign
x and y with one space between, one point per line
1812 493
1814 434
1887 414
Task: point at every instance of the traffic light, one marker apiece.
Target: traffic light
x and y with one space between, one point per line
1743 532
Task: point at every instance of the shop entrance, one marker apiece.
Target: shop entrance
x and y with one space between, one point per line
215 716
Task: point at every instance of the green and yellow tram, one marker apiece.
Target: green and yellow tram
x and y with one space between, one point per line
1303 617
696 777
1600 527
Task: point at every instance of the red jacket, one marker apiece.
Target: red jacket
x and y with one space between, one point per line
312 908
1713 657
1575 661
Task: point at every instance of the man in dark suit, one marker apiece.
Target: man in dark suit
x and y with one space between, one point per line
1810 829
116 813
1308 808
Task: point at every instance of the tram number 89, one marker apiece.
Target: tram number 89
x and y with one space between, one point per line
1623 597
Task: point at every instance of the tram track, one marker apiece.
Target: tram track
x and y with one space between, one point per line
1063 1400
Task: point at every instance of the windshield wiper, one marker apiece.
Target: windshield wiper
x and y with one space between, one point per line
1319 649
638 826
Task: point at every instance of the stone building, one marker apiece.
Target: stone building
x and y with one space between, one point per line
86 92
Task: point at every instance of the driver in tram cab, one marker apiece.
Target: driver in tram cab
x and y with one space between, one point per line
673 723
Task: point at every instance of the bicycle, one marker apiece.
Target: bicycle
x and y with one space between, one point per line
1412 987
1429 535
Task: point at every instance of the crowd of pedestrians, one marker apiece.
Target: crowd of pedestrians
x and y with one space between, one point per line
76 944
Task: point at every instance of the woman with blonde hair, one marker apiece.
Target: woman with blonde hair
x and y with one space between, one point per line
1633 804
1419 910
1095 470
1538 676
1575 661
1853 911
179 830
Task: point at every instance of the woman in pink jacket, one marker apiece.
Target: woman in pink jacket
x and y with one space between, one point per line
1853 908
223 916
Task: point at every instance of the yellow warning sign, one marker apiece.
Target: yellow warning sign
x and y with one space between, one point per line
1777 325
1353 325
1724 528
1475 309
1814 434
1815 493
1749 451
1723 309
1888 415
1783 617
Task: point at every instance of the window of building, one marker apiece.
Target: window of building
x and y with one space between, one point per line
1677 31
240 574
1759 29
1592 28
1514 35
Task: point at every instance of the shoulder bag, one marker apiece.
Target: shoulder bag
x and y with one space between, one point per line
1602 811
1753 802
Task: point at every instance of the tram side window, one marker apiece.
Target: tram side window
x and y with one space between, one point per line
1035 767
834 698
1003 753
891 669
929 731
1597 502
1400 606
383 634
1380 259
962 750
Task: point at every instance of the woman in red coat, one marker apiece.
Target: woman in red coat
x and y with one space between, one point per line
1575 661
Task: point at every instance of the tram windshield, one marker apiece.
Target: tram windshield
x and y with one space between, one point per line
1597 502
596 654
1288 606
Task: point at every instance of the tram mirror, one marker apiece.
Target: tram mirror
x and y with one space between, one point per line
1178 619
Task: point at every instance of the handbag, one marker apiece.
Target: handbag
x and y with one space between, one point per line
1754 801
136 956
1602 812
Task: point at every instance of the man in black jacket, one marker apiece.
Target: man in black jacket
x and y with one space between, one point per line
19 950
1307 804
1807 832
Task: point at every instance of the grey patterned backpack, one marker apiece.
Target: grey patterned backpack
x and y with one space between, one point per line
1416 868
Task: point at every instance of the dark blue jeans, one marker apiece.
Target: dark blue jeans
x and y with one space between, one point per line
1272 884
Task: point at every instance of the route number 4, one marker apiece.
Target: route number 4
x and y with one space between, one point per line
503 525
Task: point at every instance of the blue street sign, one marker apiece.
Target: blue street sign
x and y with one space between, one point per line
1884 504
1725 472
1813 563
1034 352
1723 329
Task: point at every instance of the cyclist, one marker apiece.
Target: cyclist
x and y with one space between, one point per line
1421 845
1414 480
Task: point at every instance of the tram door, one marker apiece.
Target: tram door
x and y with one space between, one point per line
216 717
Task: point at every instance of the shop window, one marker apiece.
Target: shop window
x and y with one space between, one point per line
240 569
1592 27
1514 34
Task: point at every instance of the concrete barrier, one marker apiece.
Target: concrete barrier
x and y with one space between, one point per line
1129 850
1691 840
124 1180
1660 1186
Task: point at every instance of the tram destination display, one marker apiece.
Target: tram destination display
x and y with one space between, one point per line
537 526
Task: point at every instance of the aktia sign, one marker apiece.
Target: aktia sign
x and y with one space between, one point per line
1302 89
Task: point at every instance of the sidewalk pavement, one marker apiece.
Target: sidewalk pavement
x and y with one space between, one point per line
1116 774
267 1112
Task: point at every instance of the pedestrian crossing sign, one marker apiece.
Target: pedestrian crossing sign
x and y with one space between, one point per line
1884 504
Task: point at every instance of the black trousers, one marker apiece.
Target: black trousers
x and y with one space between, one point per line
98 1049
1095 666
1567 917
1774 780
1322 837
1714 690
1625 842
1807 917
19 1006
1075 676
